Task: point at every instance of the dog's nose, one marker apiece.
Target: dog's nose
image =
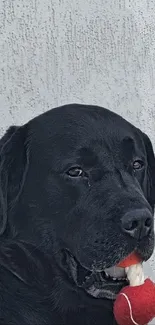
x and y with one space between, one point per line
137 223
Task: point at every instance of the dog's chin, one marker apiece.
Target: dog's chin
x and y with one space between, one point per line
105 284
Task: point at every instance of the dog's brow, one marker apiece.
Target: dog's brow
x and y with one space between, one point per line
128 143
88 157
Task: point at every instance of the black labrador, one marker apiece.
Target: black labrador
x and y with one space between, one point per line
77 194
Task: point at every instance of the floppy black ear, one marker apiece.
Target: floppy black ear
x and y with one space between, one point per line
24 261
151 170
13 169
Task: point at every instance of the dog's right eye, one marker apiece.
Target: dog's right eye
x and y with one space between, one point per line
75 172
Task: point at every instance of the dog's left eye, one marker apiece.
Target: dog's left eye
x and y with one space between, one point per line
138 164
75 172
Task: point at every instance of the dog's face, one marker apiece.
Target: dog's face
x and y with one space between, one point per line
81 187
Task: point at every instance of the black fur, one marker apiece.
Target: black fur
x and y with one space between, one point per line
44 211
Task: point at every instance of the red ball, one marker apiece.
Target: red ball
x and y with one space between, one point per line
135 305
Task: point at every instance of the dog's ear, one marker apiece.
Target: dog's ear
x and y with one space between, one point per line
24 261
151 170
14 160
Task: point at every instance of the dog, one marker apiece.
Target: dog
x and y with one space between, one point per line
77 195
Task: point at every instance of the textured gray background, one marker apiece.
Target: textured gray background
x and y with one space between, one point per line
90 51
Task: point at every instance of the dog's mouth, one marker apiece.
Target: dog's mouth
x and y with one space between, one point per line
104 284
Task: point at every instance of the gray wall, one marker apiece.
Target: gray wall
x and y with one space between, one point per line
59 51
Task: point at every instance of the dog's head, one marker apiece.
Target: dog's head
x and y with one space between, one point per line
79 182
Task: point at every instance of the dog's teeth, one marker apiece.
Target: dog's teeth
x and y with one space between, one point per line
114 278
107 275
116 272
